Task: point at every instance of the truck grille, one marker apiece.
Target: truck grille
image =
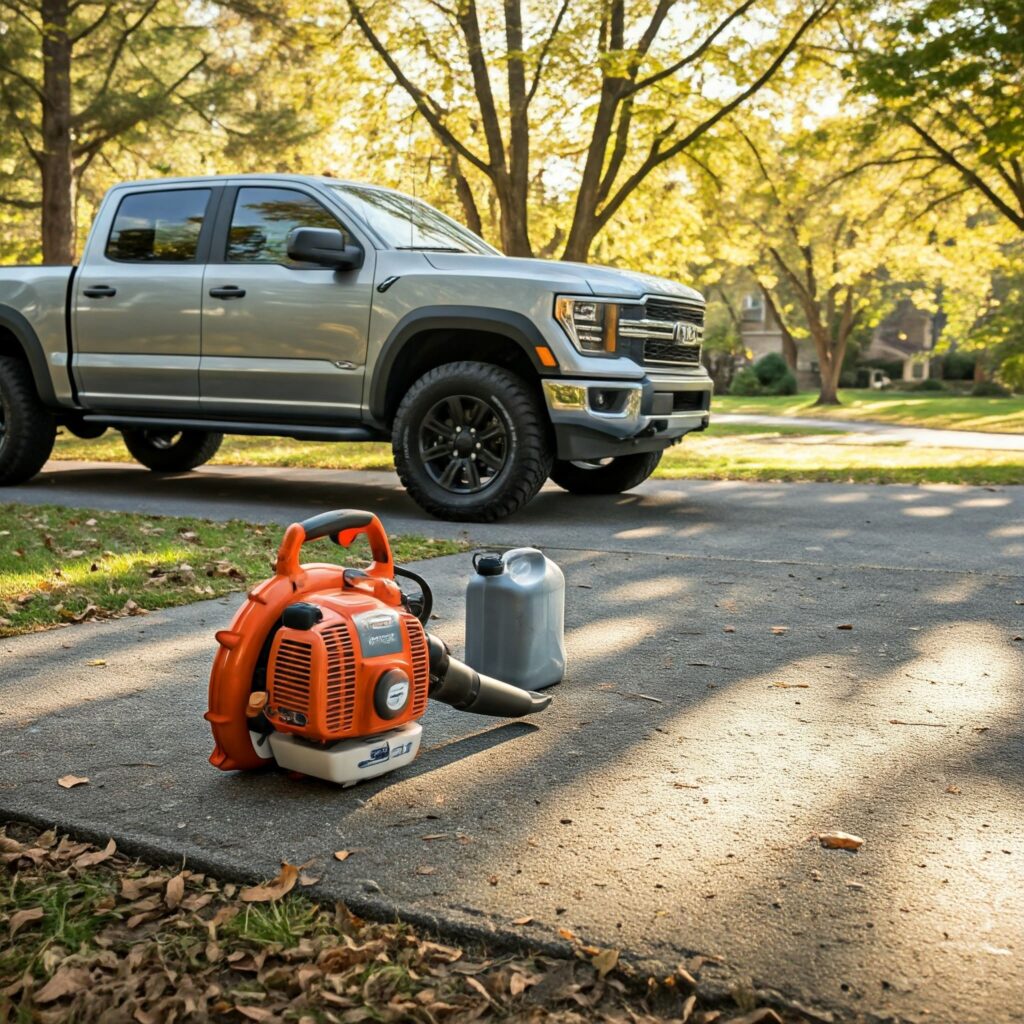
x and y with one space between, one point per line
654 326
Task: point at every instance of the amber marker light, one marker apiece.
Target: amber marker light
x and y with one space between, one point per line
545 355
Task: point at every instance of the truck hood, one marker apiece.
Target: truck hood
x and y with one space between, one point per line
580 277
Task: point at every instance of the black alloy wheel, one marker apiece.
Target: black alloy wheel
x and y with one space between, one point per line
463 444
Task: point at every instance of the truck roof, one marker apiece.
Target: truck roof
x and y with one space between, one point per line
321 179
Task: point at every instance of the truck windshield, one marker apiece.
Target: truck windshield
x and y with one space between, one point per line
406 223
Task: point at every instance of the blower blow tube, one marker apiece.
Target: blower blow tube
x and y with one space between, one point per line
455 683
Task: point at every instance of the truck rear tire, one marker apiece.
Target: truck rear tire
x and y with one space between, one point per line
27 427
471 442
605 476
171 451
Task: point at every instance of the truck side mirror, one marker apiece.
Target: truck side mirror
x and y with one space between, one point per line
325 246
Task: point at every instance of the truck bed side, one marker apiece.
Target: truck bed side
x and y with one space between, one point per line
34 323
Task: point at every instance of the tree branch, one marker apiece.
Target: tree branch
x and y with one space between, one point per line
657 157
544 50
425 104
949 157
695 54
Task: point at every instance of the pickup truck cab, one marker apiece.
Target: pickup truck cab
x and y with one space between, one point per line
313 308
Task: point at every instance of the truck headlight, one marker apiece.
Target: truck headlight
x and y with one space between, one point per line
592 325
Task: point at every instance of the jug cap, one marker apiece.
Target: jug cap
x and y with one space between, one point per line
488 563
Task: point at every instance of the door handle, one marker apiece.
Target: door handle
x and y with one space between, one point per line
229 291
100 291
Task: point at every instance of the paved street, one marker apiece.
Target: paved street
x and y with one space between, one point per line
664 804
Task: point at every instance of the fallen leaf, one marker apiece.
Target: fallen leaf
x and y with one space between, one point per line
779 630
256 1013
88 860
605 961
70 781
566 934
728 629
765 1015
342 854
174 891
845 625
21 918
274 890
96 662
66 982
305 879
522 920
840 841
517 985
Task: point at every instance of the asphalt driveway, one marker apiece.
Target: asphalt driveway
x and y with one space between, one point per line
664 804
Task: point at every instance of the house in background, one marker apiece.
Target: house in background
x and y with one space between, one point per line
907 335
760 333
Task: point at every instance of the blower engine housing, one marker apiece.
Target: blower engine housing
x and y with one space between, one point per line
359 668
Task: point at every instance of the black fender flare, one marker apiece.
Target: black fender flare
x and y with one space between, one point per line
24 334
517 327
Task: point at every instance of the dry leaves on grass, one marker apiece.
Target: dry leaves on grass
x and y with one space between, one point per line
179 945
91 858
273 890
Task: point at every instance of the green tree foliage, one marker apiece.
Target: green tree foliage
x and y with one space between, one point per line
81 80
953 74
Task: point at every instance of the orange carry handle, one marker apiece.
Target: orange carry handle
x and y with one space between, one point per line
344 526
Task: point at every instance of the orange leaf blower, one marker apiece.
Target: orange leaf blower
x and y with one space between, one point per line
326 670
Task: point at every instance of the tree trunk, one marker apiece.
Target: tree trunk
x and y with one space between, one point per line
515 232
830 363
55 161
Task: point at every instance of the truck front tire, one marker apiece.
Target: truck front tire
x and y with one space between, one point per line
605 476
27 427
171 451
471 442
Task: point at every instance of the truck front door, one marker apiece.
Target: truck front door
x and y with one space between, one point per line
282 340
137 302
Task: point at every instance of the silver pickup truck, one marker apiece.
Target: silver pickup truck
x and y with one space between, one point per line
312 308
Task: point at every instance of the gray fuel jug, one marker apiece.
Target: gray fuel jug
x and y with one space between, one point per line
515 618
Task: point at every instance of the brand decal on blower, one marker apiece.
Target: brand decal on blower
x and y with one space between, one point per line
386 752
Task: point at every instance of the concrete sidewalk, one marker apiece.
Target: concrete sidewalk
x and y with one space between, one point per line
875 432
663 804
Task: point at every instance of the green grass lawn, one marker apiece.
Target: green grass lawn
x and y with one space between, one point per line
724 452
914 409
60 565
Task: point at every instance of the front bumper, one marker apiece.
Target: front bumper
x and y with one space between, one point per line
597 419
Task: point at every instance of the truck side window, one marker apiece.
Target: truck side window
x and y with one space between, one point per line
263 219
158 227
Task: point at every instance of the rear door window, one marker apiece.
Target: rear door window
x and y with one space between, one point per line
265 217
158 227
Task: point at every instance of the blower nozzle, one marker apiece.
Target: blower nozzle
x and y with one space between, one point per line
455 683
